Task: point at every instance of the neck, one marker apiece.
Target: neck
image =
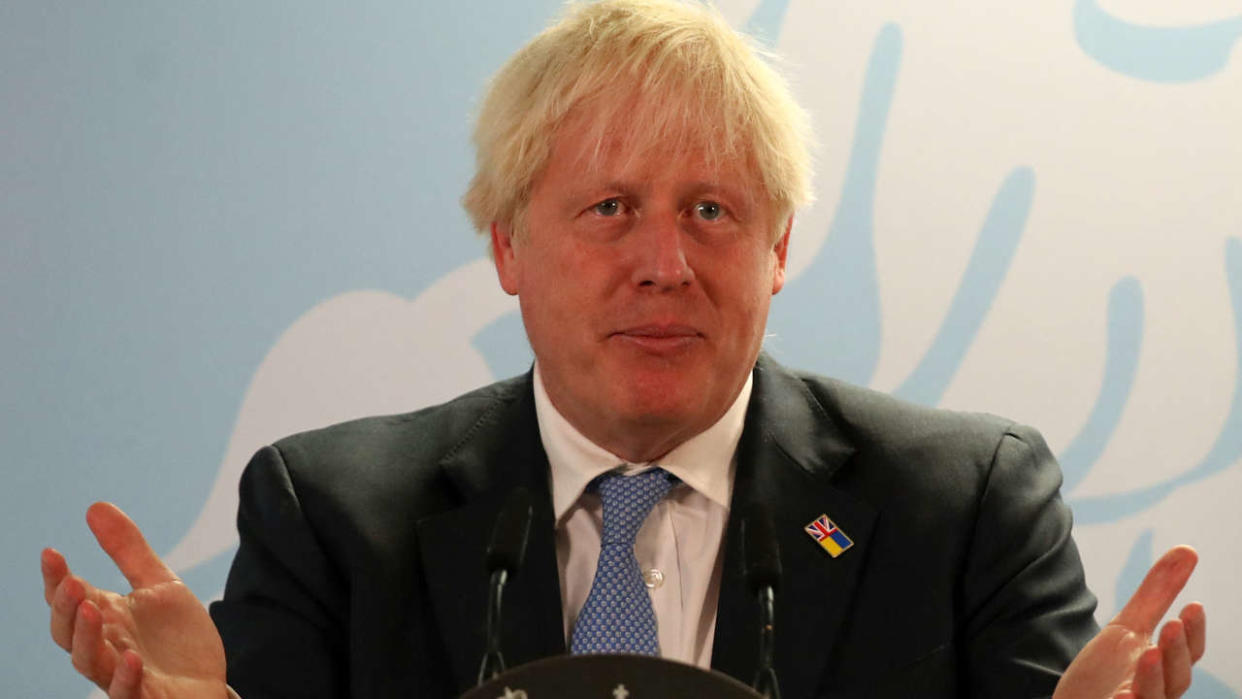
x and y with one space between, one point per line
641 443
643 438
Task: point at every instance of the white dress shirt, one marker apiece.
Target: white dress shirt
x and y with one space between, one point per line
679 545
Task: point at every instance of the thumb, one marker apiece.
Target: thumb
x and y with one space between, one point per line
121 539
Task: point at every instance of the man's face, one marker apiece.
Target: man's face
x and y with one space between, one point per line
644 284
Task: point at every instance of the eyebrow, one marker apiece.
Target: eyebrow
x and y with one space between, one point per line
694 186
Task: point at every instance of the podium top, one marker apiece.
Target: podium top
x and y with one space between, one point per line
609 677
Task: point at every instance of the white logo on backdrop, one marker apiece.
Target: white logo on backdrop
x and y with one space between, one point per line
360 353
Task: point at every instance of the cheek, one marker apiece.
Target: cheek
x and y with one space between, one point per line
750 278
752 295
569 263
559 302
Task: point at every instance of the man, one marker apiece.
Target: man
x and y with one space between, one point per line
638 170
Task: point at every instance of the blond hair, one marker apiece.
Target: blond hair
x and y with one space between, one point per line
651 69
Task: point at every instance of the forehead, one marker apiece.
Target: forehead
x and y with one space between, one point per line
634 139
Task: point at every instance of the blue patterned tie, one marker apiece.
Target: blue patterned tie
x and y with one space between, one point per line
617 616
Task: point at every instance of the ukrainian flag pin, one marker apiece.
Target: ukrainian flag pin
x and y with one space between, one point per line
829 536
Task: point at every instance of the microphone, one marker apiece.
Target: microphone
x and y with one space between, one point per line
762 560
504 557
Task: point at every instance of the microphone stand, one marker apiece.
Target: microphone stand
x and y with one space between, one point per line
493 662
503 558
762 560
765 677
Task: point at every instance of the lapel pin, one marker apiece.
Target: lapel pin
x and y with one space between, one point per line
829 536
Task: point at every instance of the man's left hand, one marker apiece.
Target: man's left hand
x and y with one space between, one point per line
1121 662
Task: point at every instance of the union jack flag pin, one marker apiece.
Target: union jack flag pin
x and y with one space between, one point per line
829 536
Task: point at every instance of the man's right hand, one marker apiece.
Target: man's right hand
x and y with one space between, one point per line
157 642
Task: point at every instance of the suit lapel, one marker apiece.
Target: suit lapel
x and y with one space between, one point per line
502 452
789 453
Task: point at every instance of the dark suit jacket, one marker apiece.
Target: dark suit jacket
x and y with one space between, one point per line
360 570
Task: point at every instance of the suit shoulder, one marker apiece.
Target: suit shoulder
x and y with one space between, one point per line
402 448
878 422
931 467
430 425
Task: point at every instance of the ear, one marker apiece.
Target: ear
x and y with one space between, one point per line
781 251
505 257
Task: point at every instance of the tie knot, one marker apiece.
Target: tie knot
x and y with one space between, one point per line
628 500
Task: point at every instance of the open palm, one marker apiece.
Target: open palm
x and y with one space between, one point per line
1122 662
157 642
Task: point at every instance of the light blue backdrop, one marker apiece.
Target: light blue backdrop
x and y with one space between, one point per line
213 214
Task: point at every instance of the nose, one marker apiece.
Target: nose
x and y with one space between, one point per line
661 255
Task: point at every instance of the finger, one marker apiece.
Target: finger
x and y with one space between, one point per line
70 593
124 543
127 678
1176 655
90 655
1195 619
1158 590
54 569
1149 676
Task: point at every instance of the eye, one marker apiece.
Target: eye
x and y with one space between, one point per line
609 207
709 210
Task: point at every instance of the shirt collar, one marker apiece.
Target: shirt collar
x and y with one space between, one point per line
704 462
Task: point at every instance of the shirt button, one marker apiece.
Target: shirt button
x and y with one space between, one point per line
653 577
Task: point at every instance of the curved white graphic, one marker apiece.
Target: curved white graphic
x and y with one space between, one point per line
359 353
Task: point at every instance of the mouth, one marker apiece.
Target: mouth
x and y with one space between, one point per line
659 338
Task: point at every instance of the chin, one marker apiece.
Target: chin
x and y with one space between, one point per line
661 403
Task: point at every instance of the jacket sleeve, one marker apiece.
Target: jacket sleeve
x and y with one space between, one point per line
281 618
1026 610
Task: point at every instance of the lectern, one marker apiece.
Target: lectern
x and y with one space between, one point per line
609 677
